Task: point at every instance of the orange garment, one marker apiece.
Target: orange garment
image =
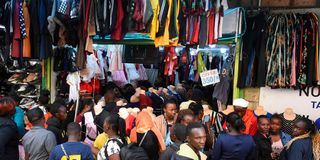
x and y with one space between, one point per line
161 123
26 41
250 121
144 123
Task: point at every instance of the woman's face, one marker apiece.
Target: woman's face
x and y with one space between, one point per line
275 125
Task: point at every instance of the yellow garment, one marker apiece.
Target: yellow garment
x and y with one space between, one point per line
174 41
100 140
186 151
164 40
73 157
154 23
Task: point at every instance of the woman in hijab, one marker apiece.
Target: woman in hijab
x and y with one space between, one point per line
153 142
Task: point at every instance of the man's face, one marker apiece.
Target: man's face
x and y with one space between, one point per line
275 125
170 110
62 114
187 119
299 129
197 138
240 111
264 125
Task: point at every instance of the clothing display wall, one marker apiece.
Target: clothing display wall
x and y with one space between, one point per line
280 51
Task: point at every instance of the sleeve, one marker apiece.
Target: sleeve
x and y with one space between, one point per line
50 142
257 148
54 131
53 154
216 152
89 154
253 127
112 148
252 154
5 136
19 120
294 152
98 142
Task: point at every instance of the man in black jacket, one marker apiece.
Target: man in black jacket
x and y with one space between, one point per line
262 139
55 123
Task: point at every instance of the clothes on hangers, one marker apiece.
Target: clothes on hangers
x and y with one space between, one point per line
291 35
252 70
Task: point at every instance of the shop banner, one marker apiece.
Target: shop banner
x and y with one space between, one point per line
210 77
305 102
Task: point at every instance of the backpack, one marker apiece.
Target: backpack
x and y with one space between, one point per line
133 151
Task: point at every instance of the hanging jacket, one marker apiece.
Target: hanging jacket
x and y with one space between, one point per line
107 16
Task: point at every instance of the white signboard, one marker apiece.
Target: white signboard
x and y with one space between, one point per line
209 77
304 102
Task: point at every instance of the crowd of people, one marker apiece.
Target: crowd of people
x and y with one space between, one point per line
173 123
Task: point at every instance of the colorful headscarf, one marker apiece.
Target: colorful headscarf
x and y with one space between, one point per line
144 123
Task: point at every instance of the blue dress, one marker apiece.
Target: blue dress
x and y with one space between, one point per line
233 147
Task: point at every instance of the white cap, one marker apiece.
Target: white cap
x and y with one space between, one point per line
241 103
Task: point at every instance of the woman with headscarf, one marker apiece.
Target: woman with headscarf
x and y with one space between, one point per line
153 142
8 130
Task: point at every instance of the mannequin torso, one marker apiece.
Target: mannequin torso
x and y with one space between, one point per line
260 111
289 114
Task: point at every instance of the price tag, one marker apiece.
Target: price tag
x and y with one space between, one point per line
210 77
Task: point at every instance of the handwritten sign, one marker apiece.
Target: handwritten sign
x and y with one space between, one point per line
209 77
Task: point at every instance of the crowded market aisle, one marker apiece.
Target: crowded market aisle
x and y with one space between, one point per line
168 80
112 128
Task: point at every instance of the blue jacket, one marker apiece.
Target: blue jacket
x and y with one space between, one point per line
285 138
18 118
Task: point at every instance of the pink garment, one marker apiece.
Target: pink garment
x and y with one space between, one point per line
119 78
142 73
115 57
21 152
91 128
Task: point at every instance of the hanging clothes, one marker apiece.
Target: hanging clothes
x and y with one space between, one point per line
252 62
16 42
132 72
73 80
117 33
115 64
142 72
291 50
26 40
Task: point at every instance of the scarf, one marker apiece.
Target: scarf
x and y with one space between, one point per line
144 123
307 135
